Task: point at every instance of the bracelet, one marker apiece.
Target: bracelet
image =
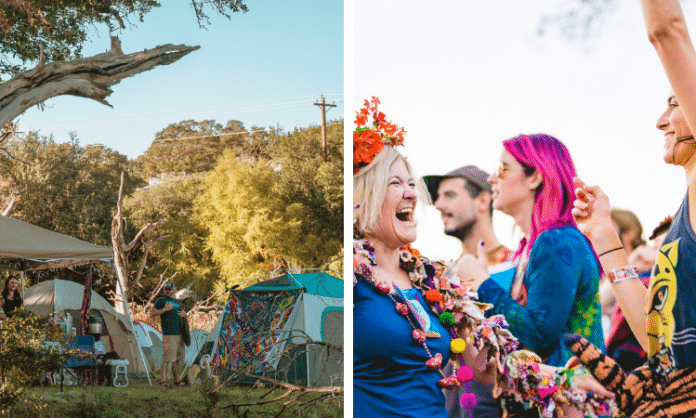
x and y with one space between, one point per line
623 273
610 251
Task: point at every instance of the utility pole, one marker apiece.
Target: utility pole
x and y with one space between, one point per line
323 122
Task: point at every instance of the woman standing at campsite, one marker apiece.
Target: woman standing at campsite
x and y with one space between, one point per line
666 386
10 298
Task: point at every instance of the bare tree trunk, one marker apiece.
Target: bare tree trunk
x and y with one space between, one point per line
88 77
10 208
121 250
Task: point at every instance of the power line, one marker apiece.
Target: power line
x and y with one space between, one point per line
111 120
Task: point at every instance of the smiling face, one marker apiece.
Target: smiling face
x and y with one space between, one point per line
396 225
513 189
456 206
12 284
673 123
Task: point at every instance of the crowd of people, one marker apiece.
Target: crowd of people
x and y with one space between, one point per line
584 317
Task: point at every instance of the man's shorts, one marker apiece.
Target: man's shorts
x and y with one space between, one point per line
173 348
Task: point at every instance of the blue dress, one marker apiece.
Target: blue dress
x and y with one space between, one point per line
562 296
390 378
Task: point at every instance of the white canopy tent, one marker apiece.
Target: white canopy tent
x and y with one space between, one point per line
26 247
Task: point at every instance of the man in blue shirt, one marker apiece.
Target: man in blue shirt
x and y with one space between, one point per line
169 310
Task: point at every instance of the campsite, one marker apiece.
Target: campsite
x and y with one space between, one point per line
276 337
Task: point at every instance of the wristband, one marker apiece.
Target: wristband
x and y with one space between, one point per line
623 273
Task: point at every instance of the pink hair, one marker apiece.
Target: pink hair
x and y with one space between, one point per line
550 158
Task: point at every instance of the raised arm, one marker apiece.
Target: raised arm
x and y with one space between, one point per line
592 214
667 31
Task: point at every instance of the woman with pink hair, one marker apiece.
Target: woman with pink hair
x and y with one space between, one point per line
555 290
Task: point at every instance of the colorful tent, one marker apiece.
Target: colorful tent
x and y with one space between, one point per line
293 317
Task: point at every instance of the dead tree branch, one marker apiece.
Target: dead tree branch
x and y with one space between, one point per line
121 250
90 77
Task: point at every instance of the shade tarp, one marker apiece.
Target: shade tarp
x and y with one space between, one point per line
24 246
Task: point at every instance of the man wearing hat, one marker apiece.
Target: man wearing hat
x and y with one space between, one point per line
463 197
169 310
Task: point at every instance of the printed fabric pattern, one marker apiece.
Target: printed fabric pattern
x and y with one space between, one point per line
561 296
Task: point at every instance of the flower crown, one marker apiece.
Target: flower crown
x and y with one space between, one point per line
369 140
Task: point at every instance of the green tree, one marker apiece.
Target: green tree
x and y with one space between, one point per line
182 248
306 179
193 147
63 187
24 355
252 229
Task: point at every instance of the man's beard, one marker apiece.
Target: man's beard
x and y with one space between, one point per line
463 231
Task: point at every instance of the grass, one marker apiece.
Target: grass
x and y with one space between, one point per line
142 400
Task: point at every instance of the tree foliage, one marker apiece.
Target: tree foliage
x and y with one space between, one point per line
305 178
193 147
182 247
24 355
61 27
64 187
278 213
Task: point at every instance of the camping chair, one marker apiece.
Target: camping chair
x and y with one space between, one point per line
78 366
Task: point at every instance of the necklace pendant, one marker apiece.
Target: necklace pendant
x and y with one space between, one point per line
419 335
383 287
450 383
435 362
402 308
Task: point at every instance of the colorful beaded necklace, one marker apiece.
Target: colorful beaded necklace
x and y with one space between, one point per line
363 263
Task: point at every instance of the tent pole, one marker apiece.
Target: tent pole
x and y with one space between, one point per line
135 333
22 276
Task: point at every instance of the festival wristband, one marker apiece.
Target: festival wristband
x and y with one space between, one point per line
623 273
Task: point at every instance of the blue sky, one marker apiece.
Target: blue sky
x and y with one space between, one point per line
265 68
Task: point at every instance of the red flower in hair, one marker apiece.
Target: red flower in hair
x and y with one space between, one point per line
368 141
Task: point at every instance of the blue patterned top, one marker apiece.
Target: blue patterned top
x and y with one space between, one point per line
560 295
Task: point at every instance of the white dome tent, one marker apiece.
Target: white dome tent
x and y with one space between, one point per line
59 296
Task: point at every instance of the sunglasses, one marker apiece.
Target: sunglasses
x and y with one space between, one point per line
502 169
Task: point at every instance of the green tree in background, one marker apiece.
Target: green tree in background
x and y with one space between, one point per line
193 147
279 213
181 249
63 187
306 179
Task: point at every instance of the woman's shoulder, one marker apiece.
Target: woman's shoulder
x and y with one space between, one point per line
567 239
567 233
